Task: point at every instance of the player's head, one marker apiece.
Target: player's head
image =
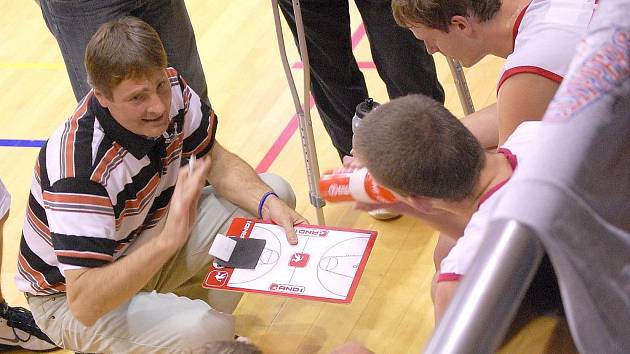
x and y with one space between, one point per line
416 147
447 26
126 66
438 14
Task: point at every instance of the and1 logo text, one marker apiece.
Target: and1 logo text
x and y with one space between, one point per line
286 288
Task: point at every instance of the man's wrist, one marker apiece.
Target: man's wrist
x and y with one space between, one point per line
165 243
263 201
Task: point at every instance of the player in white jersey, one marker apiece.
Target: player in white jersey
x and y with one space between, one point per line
17 327
537 37
435 166
460 257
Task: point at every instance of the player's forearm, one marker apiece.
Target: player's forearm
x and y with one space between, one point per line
484 125
447 223
94 292
235 180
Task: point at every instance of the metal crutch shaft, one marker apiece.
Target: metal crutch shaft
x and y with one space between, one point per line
460 84
303 113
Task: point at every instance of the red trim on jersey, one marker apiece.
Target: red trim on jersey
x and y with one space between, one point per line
513 162
509 156
517 24
531 70
448 277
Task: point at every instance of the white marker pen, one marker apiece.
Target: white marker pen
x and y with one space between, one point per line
191 164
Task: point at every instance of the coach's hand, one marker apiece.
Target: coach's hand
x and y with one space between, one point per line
182 213
277 211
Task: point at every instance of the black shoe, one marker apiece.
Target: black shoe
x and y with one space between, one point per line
18 329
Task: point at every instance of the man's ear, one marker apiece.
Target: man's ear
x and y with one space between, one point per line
423 204
101 98
461 23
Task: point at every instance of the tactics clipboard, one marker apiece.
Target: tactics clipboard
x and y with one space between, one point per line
326 264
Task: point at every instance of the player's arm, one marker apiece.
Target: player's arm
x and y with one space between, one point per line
444 221
237 181
93 292
232 177
523 97
484 125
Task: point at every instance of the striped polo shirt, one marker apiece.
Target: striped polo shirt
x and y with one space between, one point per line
5 200
97 187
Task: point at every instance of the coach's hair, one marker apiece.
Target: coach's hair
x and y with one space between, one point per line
416 147
120 49
437 14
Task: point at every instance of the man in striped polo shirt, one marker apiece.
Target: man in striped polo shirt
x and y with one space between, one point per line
116 235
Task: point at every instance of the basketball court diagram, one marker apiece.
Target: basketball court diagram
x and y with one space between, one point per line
325 265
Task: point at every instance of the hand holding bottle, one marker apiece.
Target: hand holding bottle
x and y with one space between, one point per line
346 185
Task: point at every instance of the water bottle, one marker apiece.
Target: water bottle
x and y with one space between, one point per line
357 185
353 186
347 185
363 108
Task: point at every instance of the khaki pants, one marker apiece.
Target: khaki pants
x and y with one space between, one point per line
173 313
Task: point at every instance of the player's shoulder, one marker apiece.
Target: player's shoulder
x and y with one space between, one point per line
520 142
557 14
524 133
479 219
548 34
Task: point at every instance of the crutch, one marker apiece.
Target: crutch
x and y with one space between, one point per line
303 113
461 85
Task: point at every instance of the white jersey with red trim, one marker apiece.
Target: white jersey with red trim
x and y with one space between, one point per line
546 35
459 259
5 200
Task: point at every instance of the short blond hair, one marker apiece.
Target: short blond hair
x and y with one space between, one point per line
437 14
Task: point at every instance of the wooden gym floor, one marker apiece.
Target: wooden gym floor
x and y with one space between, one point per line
392 311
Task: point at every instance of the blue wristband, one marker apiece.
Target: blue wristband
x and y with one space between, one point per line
262 202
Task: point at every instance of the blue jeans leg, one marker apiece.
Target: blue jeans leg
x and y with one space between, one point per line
74 22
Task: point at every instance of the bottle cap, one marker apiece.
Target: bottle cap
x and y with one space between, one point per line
365 107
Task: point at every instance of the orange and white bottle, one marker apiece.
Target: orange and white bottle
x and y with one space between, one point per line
356 185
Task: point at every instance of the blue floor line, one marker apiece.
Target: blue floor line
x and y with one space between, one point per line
21 143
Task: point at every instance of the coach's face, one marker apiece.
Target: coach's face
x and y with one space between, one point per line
141 105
